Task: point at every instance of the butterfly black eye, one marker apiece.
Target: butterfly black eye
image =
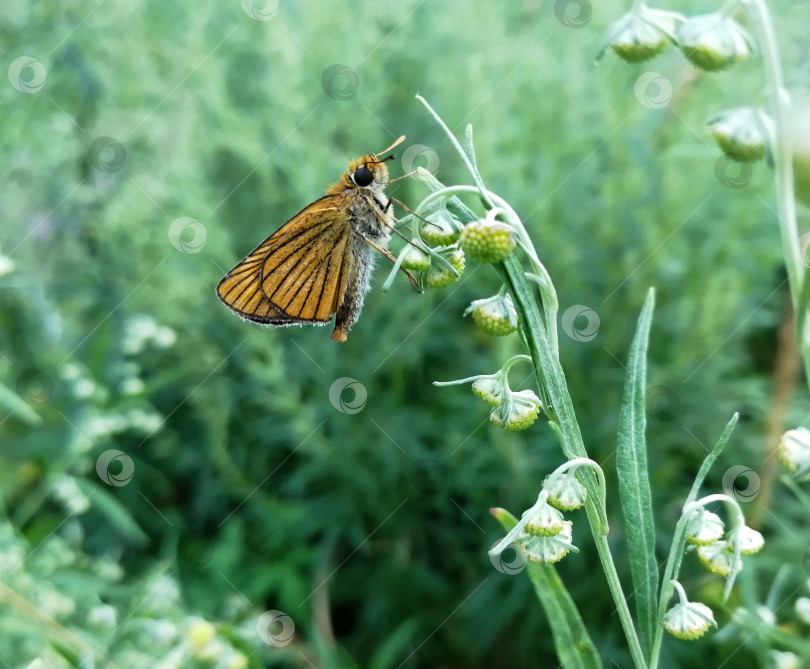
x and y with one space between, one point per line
362 176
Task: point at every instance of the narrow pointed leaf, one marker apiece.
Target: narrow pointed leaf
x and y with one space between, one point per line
575 650
634 482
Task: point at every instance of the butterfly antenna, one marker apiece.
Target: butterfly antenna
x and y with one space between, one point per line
404 176
398 141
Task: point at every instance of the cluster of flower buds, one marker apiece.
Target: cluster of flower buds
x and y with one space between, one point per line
512 410
435 253
762 620
719 551
439 248
709 41
542 534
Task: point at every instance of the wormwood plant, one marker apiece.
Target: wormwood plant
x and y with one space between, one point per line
542 535
445 231
714 42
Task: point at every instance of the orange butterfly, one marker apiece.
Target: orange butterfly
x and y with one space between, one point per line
319 263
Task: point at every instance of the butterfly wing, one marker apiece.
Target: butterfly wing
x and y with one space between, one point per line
299 273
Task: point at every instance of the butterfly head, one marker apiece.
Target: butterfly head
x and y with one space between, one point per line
368 172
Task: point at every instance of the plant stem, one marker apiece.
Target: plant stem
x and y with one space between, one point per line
541 341
760 14
679 539
551 377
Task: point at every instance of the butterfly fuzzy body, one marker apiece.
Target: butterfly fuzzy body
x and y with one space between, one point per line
319 263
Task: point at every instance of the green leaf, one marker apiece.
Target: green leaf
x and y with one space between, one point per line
550 378
17 405
634 482
116 513
394 646
711 458
574 646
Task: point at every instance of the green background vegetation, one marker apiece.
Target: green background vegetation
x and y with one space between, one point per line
250 490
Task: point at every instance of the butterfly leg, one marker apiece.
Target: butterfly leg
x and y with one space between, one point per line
390 256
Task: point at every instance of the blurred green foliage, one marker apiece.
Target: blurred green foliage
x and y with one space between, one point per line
250 491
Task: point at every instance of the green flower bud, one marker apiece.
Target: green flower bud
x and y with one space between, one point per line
7 265
742 133
704 528
803 609
688 620
441 228
200 634
415 259
439 277
713 41
517 412
784 659
488 240
494 315
488 389
103 616
717 558
765 616
545 521
548 550
750 540
237 661
642 33
565 492
794 451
